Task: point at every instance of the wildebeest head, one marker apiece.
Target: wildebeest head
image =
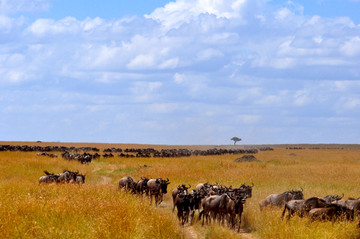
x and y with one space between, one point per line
246 190
297 194
80 178
239 200
332 198
163 184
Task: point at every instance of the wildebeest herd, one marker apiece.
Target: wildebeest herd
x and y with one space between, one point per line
86 157
218 202
226 204
327 208
65 177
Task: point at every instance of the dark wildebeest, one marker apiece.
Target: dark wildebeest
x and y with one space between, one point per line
234 209
176 191
182 203
195 202
331 212
278 200
302 207
49 178
157 188
244 191
126 182
141 185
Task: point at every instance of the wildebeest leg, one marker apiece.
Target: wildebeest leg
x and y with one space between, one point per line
202 214
192 215
232 221
161 197
157 200
179 214
291 213
187 216
151 196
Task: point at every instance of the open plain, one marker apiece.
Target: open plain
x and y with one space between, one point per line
97 209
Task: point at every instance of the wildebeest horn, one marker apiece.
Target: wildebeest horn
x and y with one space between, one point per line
167 180
302 189
341 197
189 186
252 184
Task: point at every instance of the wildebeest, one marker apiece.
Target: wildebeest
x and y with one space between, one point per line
234 209
127 183
48 178
244 190
351 204
302 207
203 186
141 185
176 191
215 205
195 201
157 188
80 178
182 203
278 200
294 206
67 176
331 212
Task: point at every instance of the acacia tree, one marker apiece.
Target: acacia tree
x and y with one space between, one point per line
235 139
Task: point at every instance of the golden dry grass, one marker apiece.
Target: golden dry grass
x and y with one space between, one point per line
97 210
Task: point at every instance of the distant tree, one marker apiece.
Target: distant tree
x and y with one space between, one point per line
235 139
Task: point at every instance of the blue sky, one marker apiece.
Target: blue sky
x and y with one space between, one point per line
180 72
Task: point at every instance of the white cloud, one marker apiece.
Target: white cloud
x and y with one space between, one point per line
199 63
162 108
169 64
209 53
5 23
46 27
351 47
174 14
179 78
14 6
302 98
249 119
142 61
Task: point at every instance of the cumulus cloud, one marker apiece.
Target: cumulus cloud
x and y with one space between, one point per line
174 14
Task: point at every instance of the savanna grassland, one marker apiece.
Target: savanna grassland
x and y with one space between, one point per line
98 210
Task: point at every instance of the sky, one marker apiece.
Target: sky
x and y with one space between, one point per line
180 72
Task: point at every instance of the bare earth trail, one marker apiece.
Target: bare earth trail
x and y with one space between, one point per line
189 231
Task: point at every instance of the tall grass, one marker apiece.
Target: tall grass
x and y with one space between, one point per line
92 210
97 210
